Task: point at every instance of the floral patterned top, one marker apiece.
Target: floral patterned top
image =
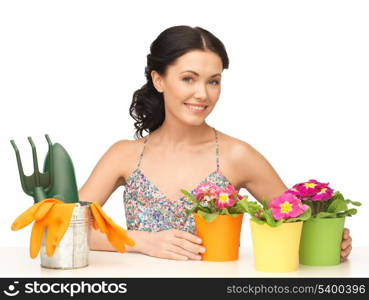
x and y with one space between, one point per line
147 209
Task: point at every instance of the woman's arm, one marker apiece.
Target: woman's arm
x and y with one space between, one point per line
105 178
99 241
256 174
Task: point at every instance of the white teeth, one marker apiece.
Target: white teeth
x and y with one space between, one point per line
196 107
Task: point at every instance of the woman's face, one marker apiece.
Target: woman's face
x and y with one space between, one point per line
191 86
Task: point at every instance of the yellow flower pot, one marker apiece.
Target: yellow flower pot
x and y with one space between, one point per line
276 249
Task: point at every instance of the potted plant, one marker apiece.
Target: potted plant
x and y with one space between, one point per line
276 230
322 233
218 215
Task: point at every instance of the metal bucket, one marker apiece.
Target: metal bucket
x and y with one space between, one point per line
73 249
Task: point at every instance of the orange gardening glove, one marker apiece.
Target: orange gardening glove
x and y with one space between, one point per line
116 235
51 214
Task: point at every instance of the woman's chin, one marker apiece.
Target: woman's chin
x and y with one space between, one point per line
195 122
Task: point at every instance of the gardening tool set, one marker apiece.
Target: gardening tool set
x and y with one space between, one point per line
61 221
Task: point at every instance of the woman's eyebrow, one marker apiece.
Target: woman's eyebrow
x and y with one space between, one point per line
217 74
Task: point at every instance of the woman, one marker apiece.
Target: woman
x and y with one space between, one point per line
183 75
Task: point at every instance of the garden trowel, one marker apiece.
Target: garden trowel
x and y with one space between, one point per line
65 185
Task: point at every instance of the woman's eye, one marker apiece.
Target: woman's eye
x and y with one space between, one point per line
185 78
213 82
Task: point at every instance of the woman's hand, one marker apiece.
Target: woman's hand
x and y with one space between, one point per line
173 244
346 244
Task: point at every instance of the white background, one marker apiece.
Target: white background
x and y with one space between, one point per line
296 89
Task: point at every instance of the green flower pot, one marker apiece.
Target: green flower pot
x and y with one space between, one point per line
320 243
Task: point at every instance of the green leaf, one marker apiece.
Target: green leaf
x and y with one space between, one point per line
348 213
258 220
242 205
267 214
326 215
279 222
234 215
306 215
208 217
190 196
189 212
337 205
356 203
338 195
303 217
264 202
234 210
224 211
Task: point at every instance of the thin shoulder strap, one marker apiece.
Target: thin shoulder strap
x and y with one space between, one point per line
143 149
217 148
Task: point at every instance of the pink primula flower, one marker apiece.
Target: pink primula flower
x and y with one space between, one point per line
224 200
312 190
223 197
324 194
233 192
206 189
306 189
287 206
227 197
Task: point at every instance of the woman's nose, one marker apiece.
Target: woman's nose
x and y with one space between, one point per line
201 92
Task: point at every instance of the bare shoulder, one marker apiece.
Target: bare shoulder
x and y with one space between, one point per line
125 146
237 151
234 144
125 154
250 169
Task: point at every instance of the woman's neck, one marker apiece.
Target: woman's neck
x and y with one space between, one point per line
179 137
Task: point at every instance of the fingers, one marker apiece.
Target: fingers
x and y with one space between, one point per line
36 237
106 218
127 240
346 243
43 209
189 246
345 253
122 233
163 244
25 218
100 222
186 235
173 255
346 233
33 212
99 209
116 235
116 242
120 236
183 252
346 239
50 239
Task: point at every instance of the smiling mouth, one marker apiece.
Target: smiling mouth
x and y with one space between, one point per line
196 108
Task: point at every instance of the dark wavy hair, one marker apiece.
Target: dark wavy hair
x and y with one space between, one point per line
147 107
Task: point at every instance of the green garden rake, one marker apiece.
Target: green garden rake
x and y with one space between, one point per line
58 180
37 185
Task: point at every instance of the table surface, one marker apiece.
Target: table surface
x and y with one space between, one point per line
16 262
